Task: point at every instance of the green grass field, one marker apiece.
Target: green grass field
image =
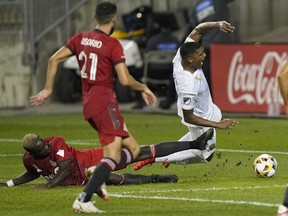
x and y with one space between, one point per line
226 186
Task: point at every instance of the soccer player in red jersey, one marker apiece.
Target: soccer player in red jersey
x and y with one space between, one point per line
99 55
62 164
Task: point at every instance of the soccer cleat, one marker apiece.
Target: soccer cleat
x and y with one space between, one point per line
102 192
171 178
165 164
85 207
204 138
282 211
140 164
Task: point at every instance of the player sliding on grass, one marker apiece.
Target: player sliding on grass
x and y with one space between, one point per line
195 105
62 164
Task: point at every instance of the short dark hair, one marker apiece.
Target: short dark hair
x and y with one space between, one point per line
188 48
105 11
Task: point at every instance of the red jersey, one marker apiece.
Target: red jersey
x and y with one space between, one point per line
97 54
59 151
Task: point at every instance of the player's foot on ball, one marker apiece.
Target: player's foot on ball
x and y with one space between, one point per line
140 164
85 207
102 192
204 138
170 178
282 211
165 164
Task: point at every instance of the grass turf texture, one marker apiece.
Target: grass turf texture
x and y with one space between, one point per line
225 186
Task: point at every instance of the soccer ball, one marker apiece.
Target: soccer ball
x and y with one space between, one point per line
265 166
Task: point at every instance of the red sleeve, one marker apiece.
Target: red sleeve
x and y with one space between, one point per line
73 41
117 53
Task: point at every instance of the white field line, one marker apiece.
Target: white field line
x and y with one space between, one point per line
11 155
72 142
206 189
252 151
239 202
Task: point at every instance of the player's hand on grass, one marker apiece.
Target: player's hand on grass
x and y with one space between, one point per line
40 97
227 124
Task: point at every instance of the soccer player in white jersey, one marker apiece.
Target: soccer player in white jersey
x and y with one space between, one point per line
195 105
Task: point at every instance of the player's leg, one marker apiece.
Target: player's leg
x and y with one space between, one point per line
166 148
111 132
128 178
130 150
112 154
192 155
179 152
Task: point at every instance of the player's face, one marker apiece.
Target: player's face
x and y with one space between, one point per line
198 57
42 149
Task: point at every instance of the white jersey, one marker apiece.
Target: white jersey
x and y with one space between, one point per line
193 92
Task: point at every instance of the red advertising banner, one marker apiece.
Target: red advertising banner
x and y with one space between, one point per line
244 76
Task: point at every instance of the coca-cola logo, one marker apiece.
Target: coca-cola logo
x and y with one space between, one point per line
254 83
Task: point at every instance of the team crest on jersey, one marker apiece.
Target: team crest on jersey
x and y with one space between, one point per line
198 78
37 169
60 152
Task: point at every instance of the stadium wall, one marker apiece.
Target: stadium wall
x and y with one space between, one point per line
19 79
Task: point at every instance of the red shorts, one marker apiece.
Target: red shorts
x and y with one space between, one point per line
109 124
102 112
89 157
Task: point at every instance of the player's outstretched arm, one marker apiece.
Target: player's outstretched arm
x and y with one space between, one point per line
61 55
189 117
22 179
200 29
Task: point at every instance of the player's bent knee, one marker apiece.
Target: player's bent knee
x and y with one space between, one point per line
135 151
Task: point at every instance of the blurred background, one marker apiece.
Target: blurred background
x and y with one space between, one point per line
31 31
